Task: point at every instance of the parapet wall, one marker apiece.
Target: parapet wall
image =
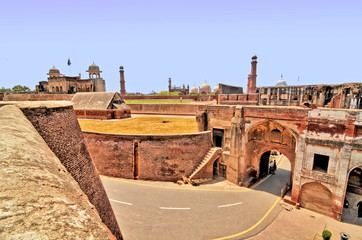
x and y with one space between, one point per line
149 157
193 97
39 198
103 114
171 109
56 122
37 97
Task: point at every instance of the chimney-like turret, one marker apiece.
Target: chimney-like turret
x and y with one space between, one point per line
252 76
123 83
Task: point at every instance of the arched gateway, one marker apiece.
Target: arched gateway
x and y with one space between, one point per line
263 137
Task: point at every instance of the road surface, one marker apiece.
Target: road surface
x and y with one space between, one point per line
219 210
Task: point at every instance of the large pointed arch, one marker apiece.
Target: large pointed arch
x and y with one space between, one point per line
266 136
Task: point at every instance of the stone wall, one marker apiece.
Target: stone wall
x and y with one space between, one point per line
193 97
56 122
103 114
149 157
165 109
238 99
37 97
39 198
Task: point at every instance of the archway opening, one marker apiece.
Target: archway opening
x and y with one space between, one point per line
264 164
273 174
218 170
352 207
265 140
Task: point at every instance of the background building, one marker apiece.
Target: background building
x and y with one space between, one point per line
59 83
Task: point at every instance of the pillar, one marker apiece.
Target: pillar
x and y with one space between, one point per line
252 76
123 84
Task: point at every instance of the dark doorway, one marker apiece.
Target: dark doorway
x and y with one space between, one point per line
218 136
135 160
215 171
222 170
264 164
352 211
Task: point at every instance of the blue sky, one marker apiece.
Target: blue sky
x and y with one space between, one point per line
189 41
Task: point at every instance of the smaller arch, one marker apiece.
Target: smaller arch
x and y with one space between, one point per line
317 197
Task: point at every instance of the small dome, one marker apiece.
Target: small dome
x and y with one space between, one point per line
54 70
194 89
216 88
93 67
254 57
281 82
121 67
205 86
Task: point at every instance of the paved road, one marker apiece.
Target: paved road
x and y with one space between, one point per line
159 210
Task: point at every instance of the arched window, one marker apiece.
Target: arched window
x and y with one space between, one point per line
57 89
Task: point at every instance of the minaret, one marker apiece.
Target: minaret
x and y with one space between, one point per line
252 76
123 85
169 84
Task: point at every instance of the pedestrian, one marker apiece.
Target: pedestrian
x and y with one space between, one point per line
274 166
359 205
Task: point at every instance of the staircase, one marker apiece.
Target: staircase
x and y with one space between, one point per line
210 156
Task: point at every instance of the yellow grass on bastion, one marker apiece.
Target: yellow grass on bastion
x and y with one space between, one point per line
141 125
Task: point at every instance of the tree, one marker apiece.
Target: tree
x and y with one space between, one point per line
19 88
4 90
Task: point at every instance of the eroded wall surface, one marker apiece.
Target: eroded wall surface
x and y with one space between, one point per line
39 199
150 157
56 122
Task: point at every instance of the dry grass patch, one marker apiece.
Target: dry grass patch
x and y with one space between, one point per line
141 125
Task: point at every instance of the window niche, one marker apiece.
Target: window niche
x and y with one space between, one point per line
320 163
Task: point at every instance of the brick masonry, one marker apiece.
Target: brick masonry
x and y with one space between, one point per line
60 129
160 157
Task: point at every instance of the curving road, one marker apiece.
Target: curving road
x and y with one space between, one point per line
219 210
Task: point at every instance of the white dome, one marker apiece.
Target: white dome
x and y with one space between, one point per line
281 81
194 89
216 88
205 86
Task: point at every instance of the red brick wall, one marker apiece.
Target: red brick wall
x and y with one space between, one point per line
173 109
60 130
103 114
161 157
38 97
159 97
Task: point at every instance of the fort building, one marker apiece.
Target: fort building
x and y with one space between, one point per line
175 88
60 83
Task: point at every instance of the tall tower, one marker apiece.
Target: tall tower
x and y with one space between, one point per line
123 84
169 84
252 76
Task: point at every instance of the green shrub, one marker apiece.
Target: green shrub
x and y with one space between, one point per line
326 235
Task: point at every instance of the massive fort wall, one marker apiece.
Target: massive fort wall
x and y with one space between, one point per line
56 122
39 198
174 109
37 97
149 157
